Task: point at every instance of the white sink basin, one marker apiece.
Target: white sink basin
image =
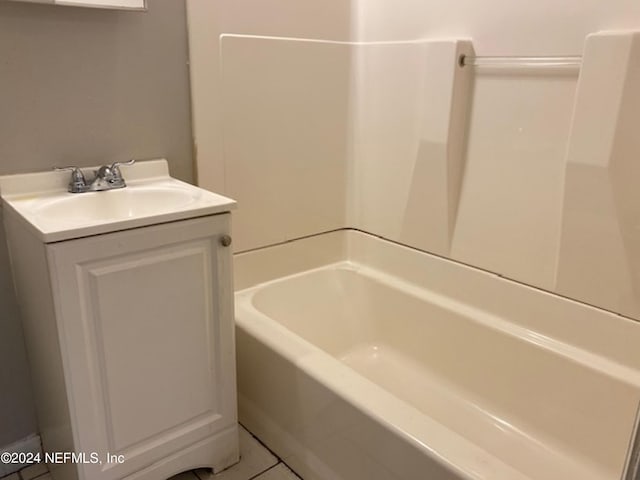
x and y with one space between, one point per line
118 204
41 200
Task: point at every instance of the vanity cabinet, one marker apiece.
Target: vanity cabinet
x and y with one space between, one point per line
130 341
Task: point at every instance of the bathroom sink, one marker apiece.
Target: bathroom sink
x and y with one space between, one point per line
151 196
118 204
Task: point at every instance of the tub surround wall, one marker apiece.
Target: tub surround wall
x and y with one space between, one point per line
406 160
83 86
497 27
599 254
208 19
510 205
300 178
394 138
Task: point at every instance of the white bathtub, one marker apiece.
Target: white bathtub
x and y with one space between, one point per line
359 359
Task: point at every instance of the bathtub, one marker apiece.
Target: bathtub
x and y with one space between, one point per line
360 359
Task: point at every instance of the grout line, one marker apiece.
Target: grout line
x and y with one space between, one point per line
265 471
272 453
43 473
290 240
261 442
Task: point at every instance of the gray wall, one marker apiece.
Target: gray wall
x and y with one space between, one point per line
83 86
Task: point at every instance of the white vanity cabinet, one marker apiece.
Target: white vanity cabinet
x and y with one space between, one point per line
133 341
130 337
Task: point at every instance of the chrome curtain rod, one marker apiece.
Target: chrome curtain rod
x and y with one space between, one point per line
569 61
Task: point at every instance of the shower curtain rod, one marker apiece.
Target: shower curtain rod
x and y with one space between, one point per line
568 61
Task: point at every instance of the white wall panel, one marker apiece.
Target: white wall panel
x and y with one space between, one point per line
599 255
285 136
410 112
497 27
509 214
478 164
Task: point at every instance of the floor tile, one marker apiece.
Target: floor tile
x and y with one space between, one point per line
33 471
13 476
183 476
279 472
254 459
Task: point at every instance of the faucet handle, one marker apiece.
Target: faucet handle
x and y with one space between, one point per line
115 165
115 168
117 174
128 162
78 182
74 170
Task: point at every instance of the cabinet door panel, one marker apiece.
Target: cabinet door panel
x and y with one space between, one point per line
153 341
148 339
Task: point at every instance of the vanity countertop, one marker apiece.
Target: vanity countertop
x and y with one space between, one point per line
151 197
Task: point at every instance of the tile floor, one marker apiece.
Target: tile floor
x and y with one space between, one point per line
37 470
256 463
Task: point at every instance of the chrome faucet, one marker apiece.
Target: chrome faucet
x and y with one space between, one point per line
107 177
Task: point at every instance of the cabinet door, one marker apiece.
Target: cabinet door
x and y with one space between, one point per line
145 320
